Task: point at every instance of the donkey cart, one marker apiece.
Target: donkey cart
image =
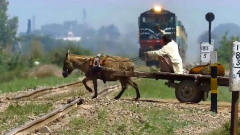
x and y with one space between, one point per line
188 87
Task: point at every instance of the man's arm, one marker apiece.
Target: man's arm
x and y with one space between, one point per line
159 52
153 55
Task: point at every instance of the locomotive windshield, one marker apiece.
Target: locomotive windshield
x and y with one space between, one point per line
160 20
153 26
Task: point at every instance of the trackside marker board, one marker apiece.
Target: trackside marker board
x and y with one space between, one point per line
235 67
213 57
205 52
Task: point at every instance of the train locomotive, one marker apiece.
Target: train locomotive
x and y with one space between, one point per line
155 23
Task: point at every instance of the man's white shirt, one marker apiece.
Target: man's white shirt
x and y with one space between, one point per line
171 50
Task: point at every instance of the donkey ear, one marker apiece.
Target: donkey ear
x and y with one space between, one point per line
68 53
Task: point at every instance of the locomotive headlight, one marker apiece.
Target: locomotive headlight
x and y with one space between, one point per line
157 8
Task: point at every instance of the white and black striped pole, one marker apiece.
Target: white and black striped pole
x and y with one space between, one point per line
213 82
235 86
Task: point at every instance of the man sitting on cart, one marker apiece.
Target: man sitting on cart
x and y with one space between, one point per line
168 55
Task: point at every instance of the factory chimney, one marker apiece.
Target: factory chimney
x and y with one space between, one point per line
29 26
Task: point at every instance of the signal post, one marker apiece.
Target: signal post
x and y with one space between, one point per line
213 83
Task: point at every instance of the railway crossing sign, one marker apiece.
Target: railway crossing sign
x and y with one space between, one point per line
235 68
213 57
235 86
205 52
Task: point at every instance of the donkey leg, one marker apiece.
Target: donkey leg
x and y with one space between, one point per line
84 81
95 88
134 85
124 87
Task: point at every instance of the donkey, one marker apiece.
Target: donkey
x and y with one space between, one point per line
84 63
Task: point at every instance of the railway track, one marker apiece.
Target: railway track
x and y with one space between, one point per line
45 119
35 92
31 126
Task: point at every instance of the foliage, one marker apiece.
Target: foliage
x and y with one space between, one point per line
225 49
227 29
44 49
57 55
8 26
9 62
36 49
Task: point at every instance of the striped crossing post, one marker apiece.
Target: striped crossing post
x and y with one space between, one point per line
213 87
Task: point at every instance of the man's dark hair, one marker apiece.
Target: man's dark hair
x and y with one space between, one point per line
166 38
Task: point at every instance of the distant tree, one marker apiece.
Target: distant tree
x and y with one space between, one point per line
57 55
204 37
8 26
110 32
36 49
228 29
225 49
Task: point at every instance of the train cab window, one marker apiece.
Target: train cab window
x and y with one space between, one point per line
144 20
171 20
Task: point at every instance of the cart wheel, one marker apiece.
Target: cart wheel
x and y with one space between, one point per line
187 91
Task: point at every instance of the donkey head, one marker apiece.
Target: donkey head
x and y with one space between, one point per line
67 65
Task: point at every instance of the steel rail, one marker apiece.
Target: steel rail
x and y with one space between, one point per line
29 94
57 113
45 119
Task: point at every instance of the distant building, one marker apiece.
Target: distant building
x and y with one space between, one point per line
31 26
71 37
29 29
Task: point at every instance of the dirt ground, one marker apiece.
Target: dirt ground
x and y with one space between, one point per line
105 115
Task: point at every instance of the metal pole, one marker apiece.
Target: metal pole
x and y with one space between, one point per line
234 113
214 90
209 33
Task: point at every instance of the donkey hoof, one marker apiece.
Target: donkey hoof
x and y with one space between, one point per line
116 98
136 99
95 96
90 91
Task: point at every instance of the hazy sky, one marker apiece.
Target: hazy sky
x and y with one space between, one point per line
124 13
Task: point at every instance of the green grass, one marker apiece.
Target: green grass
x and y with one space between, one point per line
18 114
162 121
28 83
223 94
150 88
79 125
